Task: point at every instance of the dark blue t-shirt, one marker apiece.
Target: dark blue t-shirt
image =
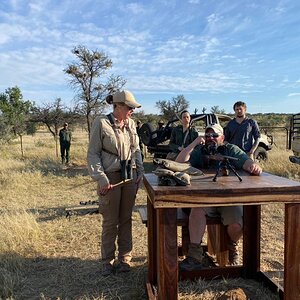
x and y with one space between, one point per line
243 135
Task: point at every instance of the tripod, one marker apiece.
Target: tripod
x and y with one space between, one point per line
225 164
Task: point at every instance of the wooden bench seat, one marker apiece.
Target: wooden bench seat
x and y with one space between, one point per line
217 237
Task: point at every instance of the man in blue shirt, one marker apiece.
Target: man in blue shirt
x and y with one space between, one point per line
197 153
243 131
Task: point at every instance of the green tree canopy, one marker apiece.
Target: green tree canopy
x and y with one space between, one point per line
87 79
217 110
15 112
169 109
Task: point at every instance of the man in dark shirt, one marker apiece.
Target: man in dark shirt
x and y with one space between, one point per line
198 155
65 136
243 131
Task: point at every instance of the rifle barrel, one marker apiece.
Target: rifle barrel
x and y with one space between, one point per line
221 157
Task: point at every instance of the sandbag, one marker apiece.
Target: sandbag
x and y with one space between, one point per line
182 178
177 167
170 178
166 181
163 172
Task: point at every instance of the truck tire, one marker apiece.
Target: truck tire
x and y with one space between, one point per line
147 134
261 154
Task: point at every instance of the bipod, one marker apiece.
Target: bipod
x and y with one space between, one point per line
225 164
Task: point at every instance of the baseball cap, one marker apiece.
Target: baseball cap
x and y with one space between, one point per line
217 128
127 98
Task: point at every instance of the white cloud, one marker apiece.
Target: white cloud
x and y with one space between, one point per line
36 6
136 8
293 94
210 82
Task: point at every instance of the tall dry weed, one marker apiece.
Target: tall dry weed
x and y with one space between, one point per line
20 233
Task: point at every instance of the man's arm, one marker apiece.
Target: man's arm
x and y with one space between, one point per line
256 136
251 167
254 147
185 153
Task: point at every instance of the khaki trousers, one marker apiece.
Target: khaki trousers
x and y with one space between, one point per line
116 209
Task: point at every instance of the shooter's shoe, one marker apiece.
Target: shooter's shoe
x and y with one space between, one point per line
190 264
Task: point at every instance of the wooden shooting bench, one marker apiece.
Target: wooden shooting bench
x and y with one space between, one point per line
217 239
252 192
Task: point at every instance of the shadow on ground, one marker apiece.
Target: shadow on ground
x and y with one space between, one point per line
74 278
50 166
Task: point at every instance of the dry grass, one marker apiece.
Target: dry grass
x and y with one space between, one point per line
44 255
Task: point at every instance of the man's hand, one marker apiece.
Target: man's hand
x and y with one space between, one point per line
200 140
255 169
251 167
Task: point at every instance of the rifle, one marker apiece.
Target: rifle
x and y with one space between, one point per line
220 157
90 207
224 161
225 166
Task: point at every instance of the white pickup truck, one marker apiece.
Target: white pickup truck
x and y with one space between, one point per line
294 138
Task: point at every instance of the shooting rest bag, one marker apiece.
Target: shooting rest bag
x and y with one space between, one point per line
176 166
170 178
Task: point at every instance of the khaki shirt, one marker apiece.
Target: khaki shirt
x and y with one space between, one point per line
108 145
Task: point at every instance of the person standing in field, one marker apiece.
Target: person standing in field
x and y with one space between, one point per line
243 131
114 156
65 137
182 135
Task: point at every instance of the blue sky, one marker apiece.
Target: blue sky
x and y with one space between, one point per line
212 52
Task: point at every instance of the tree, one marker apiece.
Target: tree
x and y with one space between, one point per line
172 108
15 112
217 110
5 133
53 115
86 78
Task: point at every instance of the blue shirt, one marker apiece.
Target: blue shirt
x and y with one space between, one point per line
243 135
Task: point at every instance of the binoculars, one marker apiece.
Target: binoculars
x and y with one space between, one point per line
126 169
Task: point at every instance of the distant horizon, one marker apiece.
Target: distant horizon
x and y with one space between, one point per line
212 52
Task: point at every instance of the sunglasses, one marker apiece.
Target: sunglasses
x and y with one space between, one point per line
212 135
130 108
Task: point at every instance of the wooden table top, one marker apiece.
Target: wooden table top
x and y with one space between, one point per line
226 191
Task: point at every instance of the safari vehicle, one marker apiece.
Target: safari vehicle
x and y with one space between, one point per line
157 141
294 138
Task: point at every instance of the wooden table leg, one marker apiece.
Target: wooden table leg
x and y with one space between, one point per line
251 240
292 252
152 244
167 252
